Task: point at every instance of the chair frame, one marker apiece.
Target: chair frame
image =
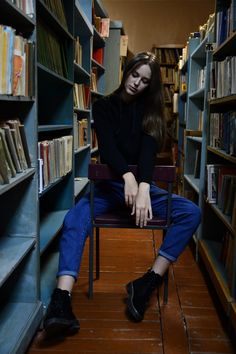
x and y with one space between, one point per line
99 172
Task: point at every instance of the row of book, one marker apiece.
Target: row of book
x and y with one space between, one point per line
17 63
226 256
102 24
98 55
223 77
54 159
14 152
225 23
201 34
80 132
81 96
78 51
168 93
221 189
168 75
27 6
167 55
223 131
51 50
57 8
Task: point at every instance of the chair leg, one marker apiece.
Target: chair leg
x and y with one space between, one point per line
91 251
97 253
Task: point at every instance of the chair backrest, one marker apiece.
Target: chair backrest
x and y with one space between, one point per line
104 172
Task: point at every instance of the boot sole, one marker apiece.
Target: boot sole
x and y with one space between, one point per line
55 326
130 306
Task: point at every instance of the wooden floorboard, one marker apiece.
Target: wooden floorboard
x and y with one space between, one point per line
189 323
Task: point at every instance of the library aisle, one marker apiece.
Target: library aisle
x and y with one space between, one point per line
189 323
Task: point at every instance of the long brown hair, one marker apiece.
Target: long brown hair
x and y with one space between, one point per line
154 122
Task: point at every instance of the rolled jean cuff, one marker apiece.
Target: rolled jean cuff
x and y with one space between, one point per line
167 256
67 272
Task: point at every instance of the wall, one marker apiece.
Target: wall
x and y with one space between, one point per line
158 22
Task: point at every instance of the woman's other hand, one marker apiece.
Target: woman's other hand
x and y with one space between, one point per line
142 207
130 189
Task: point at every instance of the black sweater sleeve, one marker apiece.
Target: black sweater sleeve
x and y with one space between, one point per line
105 130
147 158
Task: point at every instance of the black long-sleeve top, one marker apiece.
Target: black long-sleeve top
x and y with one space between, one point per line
121 140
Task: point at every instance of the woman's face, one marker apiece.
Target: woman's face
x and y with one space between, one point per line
138 80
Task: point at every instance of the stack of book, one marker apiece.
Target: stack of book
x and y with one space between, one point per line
14 153
17 63
54 159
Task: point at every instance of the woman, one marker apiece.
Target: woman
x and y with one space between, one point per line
130 127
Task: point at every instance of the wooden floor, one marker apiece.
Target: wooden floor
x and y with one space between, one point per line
189 323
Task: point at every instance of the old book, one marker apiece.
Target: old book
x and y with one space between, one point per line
7 153
25 145
229 200
12 148
18 65
14 125
4 168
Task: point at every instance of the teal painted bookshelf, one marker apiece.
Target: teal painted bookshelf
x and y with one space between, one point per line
33 208
210 138
21 308
217 245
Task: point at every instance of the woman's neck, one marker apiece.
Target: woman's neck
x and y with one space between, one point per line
127 98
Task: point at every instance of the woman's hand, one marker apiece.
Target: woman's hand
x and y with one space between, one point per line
130 188
142 207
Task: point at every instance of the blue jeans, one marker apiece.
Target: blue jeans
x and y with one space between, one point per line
109 196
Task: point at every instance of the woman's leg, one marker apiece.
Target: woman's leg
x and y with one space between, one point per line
185 218
76 227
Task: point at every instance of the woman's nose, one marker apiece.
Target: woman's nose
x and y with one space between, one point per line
137 82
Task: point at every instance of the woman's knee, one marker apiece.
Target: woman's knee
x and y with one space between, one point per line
80 211
194 213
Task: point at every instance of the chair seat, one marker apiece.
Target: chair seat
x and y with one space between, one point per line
125 220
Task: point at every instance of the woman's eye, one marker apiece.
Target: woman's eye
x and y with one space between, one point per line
135 74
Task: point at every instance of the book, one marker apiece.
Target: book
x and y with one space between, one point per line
4 168
18 65
197 162
24 144
14 125
7 153
123 45
12 148
223 170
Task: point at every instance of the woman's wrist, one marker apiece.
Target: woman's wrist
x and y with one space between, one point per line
128 176
144 186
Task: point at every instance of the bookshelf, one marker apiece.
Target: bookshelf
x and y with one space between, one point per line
219 251
115 56
99 47
55 123
35 199
83 29
184 64
21 308
214 188
196 115
168 56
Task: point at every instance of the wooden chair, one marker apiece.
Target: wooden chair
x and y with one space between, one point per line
121 219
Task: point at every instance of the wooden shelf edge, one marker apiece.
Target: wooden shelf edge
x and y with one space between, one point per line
216 278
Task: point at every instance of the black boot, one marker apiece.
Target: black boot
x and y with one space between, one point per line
59 318
139 292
